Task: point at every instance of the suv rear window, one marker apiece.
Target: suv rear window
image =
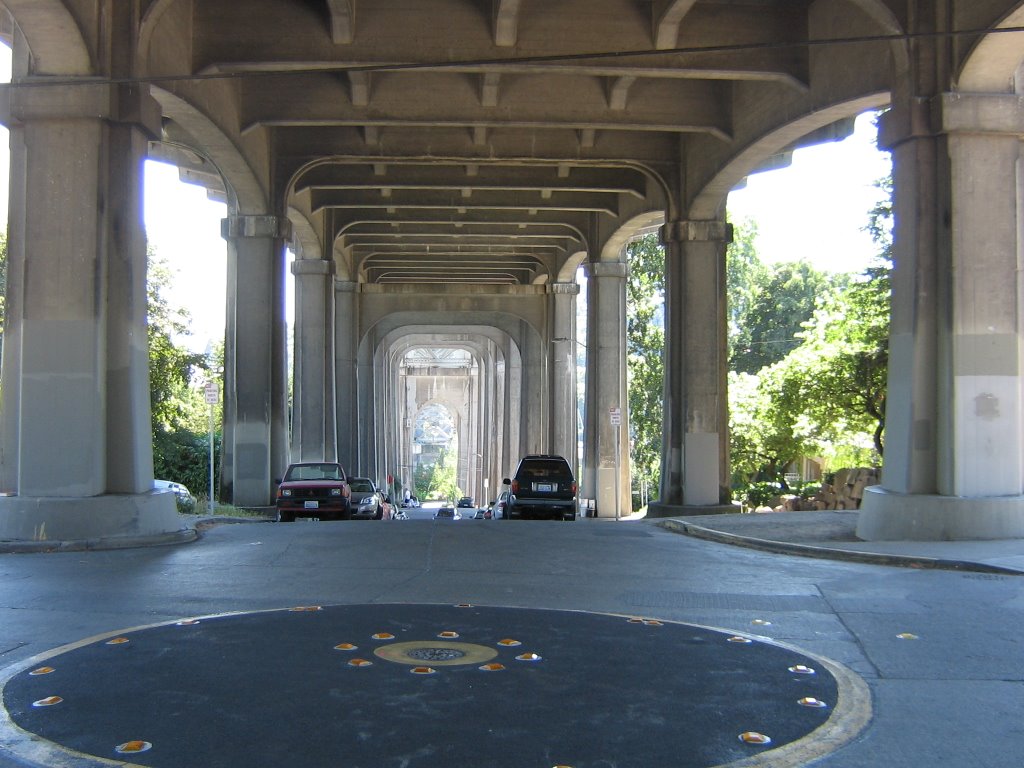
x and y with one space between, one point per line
544 469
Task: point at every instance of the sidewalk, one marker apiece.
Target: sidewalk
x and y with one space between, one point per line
832 535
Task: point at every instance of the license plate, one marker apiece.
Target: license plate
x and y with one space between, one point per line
307 519
544 487
311 505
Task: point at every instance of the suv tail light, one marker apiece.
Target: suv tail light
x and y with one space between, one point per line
515 486
573 488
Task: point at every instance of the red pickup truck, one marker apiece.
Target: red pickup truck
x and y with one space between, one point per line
314 491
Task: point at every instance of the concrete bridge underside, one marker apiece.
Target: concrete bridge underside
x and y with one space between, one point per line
441 169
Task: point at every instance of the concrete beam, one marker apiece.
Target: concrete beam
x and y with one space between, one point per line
493 176
343 20
593 202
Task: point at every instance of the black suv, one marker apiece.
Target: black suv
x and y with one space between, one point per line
543 486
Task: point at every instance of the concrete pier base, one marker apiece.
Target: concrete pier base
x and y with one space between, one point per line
107 521
657 509
888 516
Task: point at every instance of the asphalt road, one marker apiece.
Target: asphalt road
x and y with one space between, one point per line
940 652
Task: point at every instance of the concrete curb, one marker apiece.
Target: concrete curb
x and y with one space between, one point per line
112 542
826 553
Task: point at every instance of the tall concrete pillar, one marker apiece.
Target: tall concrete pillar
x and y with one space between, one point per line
954 459
255 371
345 342
605 467
695 461
77 458
563 371
512 406
535 404
312 373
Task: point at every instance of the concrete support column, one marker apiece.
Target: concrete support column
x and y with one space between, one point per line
563 371
346 329
606 389
535 404
954 460
695 462
512 406
312 373
77 455
255 371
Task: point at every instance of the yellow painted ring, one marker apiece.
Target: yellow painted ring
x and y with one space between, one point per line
400 653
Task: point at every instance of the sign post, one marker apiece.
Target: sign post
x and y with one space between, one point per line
615 416
212 398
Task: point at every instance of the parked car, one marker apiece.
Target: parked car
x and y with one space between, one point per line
367 501
447 513
498 506
182 496
314 490
543 487
466 502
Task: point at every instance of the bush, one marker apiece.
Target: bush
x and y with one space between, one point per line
805 490
184 457
758 494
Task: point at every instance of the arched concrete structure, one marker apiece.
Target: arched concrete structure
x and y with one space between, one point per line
505 417
457 189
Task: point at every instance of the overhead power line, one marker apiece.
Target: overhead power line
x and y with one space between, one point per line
649 53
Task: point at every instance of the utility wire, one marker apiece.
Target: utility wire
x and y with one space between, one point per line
906 38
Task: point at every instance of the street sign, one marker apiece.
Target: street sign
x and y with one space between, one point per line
212 392
615 414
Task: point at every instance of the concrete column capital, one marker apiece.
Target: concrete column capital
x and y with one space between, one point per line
346 286
301 267
696 231
607 269
255 226
28 101
564 288
988 113
911 120
951 113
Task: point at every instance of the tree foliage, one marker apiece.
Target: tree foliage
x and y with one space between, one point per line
645 353
826 396
774 311
180 416
438 480
745 276
171 368
846 344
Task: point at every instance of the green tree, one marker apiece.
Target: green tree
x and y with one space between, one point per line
846 345
438 480
645 350
746 274
171 367
767 427
178 410
776 312
826 397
